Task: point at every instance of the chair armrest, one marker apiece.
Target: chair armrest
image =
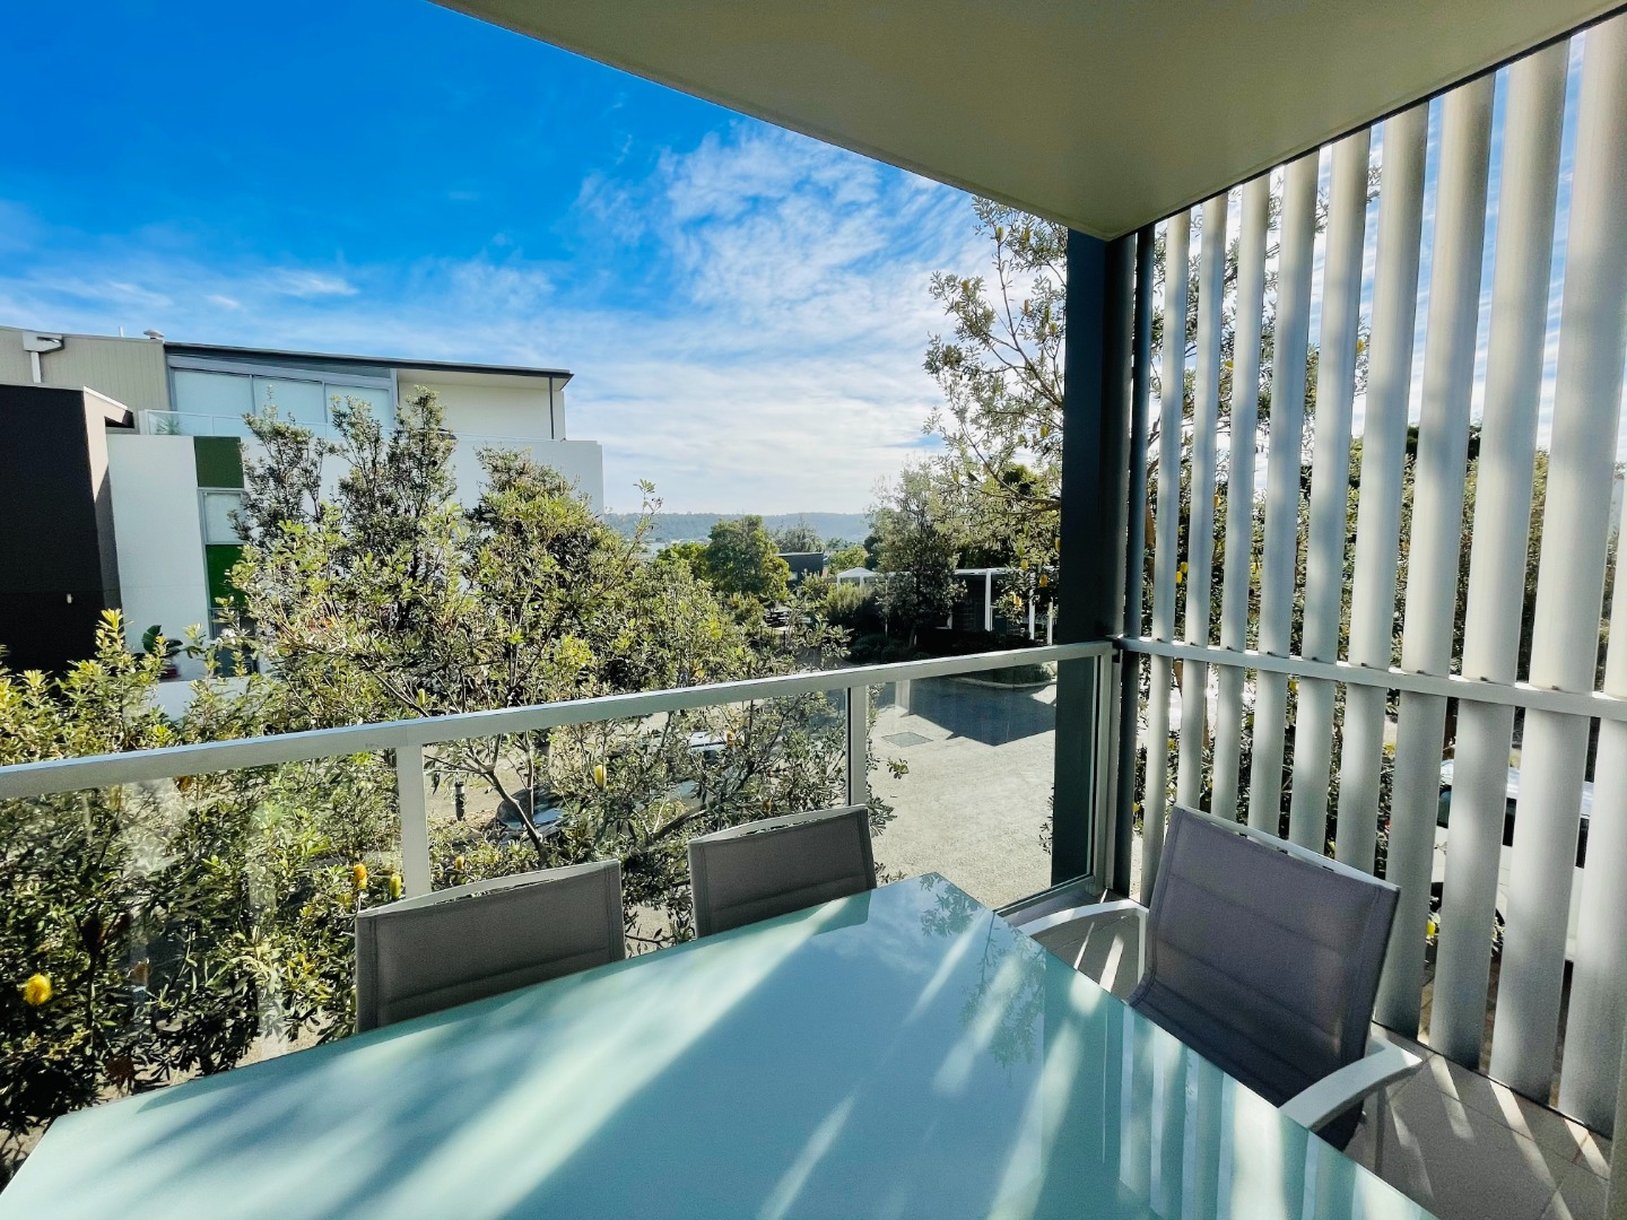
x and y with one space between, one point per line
1095 910
1084 914
1331 1096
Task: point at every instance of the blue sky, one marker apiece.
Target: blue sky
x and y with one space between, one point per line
745 309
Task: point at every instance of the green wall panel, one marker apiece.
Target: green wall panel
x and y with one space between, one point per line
219 460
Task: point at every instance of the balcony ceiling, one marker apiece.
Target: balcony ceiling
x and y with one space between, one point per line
1104 114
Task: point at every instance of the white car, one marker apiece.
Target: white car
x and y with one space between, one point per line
1506 863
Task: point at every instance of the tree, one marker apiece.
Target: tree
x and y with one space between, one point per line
741 559
852 555
390 601
799 537
1000 371
917 553
159 930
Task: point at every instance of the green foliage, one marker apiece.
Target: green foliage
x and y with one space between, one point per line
852 607
665 527
1000 370
168 926
741 559
918 552
853 555
798 536
158 930
390 602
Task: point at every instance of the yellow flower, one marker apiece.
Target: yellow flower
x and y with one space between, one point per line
37 990
395 885
1044 581
599 774
457 863
358 874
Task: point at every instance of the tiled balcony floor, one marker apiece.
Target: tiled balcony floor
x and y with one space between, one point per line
1470 1149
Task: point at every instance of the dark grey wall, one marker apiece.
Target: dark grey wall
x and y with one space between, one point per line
57 566
1090 579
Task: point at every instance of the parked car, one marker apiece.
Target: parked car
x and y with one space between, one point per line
543 805
1506 863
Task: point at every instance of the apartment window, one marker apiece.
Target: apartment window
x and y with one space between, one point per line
222 548
214 401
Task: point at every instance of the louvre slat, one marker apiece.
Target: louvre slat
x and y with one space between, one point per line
1437 533
1513 386
1593 1033
1200 532
1245 426
1330 487
1378 512
1172 376
1282 484
1570 585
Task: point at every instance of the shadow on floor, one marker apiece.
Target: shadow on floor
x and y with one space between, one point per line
991 715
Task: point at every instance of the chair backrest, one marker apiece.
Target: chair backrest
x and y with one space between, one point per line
762 869
1262 956
473 941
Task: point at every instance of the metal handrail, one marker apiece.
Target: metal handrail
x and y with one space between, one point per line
407 738
1592 704
101 770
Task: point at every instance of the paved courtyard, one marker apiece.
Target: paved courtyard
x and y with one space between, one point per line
977 795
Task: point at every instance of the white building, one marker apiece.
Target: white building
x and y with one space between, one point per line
174 469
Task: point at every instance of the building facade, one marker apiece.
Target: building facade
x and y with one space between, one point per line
163 472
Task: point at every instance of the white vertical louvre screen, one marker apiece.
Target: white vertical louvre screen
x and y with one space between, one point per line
1378 511
1278 578
1502 522
1393 645
1330 486
1437 534
1200 526
1237 578
1570 583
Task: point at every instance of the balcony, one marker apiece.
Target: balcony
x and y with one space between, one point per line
1339 485
957 758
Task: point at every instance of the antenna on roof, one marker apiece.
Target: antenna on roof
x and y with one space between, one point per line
156 336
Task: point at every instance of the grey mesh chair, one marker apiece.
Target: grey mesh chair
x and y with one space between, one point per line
478 940
1264 958
762 869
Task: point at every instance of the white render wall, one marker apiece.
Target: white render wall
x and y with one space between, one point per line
489 410
582 462
512 413
159 535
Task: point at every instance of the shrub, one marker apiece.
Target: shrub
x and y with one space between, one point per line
852 607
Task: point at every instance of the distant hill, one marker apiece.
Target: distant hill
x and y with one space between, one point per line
681 527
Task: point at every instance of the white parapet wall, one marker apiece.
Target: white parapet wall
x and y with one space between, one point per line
506 411
158 531
582 462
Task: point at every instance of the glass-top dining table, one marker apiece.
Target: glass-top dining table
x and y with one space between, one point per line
901 1053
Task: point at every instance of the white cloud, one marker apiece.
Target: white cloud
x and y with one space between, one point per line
760 350
298 282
